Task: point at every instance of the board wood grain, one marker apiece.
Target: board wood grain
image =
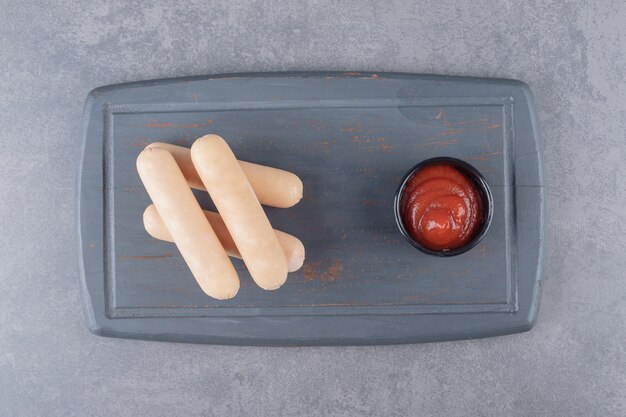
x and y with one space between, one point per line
350 137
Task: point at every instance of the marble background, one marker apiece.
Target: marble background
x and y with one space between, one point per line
571 53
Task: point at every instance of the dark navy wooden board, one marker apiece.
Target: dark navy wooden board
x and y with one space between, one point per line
350 137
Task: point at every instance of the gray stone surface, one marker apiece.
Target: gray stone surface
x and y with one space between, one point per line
572 54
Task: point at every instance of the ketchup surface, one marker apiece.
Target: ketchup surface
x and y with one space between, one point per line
441 208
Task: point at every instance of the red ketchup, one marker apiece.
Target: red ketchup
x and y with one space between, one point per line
441 208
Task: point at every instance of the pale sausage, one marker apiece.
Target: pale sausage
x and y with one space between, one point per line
292 246
273 187
186 223
241 211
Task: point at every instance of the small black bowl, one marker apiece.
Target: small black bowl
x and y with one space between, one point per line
481 185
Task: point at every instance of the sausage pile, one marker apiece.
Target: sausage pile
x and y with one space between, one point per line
241 229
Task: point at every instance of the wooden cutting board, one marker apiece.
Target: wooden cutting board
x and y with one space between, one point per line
350 137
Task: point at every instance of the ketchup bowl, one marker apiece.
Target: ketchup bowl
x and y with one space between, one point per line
443 206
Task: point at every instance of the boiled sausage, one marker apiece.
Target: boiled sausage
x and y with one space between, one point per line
292 246
240 209
273 187
187 224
